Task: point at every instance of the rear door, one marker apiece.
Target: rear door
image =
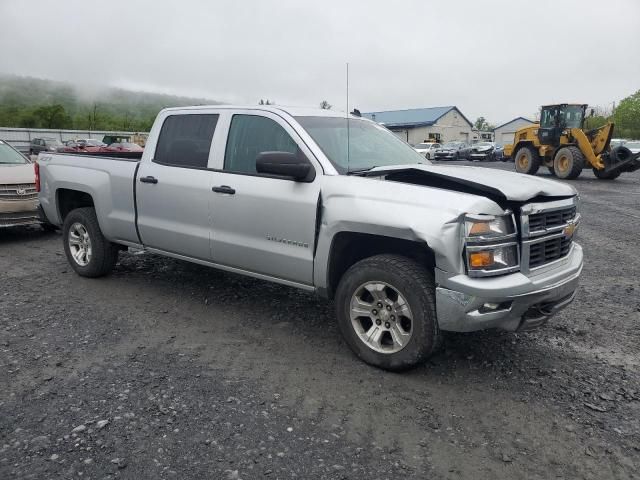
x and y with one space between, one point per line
263 224
173 190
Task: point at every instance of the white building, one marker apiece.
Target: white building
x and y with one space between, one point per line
416 125
504 133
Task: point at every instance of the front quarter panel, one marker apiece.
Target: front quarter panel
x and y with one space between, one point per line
410 212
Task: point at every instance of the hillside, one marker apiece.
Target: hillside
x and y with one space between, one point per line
34 102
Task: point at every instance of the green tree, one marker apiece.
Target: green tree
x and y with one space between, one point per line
595 122
325 105
482 125
627 117
53 116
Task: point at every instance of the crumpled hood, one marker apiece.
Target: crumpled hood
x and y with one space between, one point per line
498 183
12 174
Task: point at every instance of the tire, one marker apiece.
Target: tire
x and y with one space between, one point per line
601 175
527 160
568 163
414 288
81 224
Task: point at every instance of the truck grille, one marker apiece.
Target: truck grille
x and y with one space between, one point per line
545 220
546 230
548 251
21 218
24 191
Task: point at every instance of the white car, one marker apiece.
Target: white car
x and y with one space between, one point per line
426 149
633 145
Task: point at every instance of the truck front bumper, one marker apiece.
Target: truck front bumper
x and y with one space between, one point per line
513 302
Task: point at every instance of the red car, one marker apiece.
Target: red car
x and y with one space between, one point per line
88 145
124 147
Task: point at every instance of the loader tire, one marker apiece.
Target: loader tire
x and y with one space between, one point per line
602 175
568 163
527 160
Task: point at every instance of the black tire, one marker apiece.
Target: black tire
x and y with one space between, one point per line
602 175
416 284
104 254
527 160
568 163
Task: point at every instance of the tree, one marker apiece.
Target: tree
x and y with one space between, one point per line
482 125
627 117
266 102
325 105
53 116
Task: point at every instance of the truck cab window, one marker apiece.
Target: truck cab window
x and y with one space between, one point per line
250 135
185 140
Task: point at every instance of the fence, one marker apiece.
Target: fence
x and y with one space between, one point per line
20 138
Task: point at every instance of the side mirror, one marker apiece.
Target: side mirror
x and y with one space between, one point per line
285 164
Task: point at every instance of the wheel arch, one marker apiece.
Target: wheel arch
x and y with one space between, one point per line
348 248
68 199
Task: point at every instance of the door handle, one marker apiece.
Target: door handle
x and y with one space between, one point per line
224 189
149 179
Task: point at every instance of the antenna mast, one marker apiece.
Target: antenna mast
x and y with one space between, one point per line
348 130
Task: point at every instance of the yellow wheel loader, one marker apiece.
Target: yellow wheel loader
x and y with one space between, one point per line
560 143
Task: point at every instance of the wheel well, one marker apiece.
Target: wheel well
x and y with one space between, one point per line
68 200
348 248
523 144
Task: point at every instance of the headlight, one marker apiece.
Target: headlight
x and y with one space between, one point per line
491 246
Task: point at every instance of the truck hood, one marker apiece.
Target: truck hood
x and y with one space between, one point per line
13 174
496 184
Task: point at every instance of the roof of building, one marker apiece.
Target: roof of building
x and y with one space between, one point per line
511 121
413 117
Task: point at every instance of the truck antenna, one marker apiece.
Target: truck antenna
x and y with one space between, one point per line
347 113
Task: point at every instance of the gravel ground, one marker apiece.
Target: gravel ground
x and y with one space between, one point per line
171 370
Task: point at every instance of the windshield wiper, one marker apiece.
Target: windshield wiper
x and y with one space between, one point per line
360 170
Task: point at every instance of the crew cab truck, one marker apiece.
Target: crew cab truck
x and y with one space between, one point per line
334 205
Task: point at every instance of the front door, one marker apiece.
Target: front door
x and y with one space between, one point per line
263 224
173 190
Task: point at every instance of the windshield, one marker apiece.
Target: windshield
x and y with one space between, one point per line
451 145
370 145
571 117
424 145
52 141
484 144
9 156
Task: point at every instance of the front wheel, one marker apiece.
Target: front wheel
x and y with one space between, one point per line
88 252
386 312
527 160
568 163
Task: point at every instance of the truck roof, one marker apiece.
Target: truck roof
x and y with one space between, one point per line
293 111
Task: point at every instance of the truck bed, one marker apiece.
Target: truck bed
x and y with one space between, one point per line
109 180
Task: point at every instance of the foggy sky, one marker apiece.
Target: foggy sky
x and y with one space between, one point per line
499 59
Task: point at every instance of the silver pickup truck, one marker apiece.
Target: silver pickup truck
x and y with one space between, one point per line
333 205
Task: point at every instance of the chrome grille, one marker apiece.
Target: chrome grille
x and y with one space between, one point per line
21 218
549 250
547 233
555 218
23 191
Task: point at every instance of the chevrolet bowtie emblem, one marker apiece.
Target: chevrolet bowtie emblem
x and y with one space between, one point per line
570 229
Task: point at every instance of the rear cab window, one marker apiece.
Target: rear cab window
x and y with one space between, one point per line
185 140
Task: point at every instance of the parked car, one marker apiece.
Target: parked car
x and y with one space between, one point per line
406 249
84 146
616 142
45 144
633 145
18 196
482 151
426 149
452 151
124 147
498 154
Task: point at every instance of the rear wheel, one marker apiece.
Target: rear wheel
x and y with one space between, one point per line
568 163
386 312
89 253
527 160
602 175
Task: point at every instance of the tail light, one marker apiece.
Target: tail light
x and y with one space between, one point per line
36 168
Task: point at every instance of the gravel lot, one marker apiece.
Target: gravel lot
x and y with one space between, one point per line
171 370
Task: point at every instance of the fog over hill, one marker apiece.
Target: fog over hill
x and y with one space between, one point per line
36 102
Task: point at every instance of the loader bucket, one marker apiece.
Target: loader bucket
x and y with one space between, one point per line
621 159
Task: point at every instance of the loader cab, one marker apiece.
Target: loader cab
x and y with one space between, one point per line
554 119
